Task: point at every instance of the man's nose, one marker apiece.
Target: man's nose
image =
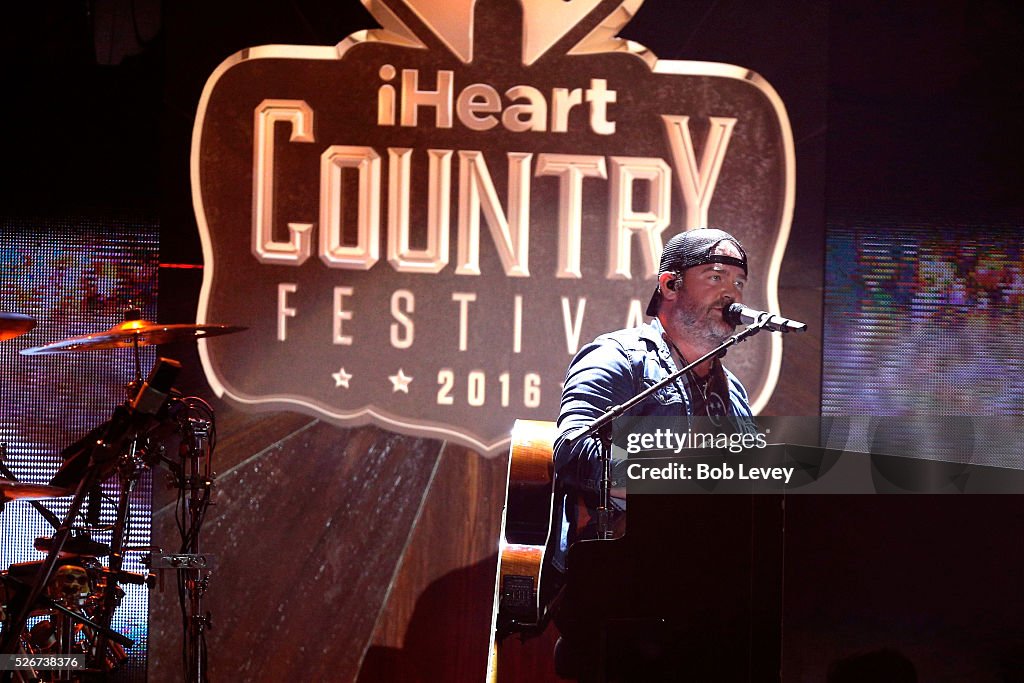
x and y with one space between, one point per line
732 292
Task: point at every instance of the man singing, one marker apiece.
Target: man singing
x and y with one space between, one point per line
701 273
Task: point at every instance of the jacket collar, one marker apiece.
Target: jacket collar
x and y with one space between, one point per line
654 334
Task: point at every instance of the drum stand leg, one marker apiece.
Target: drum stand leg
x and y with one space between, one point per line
199 487
129 474
65 628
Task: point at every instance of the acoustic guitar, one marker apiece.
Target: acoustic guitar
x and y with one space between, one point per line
526 524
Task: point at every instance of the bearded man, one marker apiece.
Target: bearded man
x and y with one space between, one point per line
701 273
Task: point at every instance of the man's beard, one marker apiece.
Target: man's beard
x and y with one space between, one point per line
702 324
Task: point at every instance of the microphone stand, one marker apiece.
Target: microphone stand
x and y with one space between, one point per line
602 426
191 565
199 486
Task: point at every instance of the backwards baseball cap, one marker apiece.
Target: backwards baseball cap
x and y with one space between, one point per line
694 248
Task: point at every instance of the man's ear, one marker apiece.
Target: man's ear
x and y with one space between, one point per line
669 285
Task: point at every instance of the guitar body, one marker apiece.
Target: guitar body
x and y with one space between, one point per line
526 525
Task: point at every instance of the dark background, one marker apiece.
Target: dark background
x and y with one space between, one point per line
898 109
924 100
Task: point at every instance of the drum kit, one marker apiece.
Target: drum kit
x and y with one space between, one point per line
64 604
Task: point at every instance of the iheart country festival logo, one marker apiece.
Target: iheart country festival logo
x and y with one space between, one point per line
421 224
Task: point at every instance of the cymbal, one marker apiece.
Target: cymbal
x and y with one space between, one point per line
14 325
16 490
130 332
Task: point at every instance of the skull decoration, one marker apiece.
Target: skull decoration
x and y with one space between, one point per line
70 585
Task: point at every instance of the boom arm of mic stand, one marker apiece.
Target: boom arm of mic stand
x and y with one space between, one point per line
601 427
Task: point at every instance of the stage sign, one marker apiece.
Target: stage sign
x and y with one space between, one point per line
422 224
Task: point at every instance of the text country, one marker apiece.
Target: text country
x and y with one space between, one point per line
630 181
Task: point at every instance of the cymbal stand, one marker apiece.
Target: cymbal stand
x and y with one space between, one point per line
129 473
135 313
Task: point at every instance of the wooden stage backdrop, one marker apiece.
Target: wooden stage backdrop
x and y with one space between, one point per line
344 555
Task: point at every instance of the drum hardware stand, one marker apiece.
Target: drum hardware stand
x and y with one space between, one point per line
14 627
129 473
68 617
191 565
107 455
98 470
103 451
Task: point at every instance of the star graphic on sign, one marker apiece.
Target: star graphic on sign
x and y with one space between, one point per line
400 381
341 378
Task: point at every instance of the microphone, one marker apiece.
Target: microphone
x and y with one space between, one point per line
738 314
